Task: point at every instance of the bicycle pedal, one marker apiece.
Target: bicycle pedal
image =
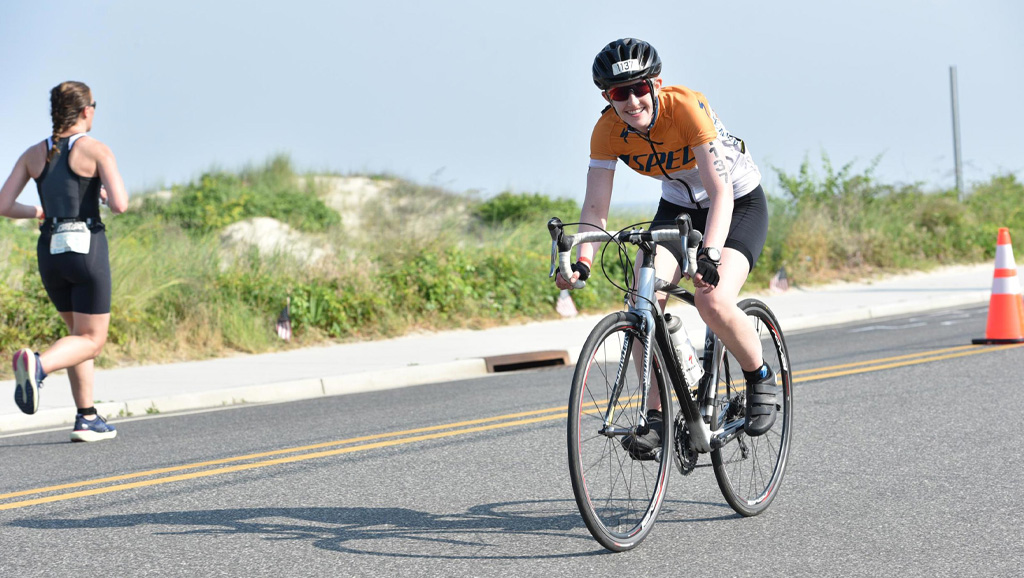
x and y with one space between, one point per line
653 455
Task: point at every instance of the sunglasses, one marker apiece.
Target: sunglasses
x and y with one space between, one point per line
92 104
640 89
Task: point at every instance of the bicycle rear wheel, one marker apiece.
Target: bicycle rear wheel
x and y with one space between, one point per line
618 496
750 469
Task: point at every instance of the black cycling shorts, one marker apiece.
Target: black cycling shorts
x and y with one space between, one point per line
747 233
75 282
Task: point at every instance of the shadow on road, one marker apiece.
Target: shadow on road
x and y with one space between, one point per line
504 528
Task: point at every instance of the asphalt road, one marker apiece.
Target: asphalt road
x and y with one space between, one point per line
906 462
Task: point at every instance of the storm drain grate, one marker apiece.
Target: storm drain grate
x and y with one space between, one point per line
530 360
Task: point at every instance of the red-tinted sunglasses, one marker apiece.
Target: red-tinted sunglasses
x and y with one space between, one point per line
640 89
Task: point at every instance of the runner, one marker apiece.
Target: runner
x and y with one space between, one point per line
74 173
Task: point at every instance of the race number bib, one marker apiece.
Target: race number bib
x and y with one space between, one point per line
625 66
73 237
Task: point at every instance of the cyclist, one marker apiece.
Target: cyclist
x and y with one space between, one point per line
671 133
73 173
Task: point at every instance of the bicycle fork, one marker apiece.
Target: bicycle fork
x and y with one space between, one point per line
625 362
643 308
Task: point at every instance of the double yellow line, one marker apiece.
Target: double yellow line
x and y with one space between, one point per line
260 460
205 469
893 362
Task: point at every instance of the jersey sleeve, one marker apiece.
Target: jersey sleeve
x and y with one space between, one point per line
694 115
601 153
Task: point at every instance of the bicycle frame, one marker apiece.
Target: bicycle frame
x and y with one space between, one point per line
697 410
655 330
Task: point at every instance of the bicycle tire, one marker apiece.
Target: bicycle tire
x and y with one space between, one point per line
618 497
749 470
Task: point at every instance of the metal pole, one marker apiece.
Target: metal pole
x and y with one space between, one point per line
956 133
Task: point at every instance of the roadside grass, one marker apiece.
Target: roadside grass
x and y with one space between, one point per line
845 225
423 258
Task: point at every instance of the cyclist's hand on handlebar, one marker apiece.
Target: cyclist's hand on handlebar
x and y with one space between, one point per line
580 272
707 275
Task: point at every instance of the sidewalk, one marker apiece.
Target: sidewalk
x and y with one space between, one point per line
450 355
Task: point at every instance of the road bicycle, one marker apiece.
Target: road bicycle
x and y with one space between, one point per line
620 493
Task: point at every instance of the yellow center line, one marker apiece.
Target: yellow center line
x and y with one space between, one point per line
419 434
278 461
971 351
171 469
885 359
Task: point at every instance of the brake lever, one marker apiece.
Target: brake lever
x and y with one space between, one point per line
689 238
685 227
555 230
694 240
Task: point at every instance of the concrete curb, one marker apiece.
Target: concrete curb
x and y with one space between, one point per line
794 324
255 394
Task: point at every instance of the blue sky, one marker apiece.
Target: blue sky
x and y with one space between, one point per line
494 96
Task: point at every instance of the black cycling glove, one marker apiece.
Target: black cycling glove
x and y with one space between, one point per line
579 267
708 271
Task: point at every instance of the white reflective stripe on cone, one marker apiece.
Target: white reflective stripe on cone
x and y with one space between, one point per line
1004 257
1006 286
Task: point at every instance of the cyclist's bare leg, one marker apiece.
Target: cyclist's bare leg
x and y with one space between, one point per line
718 309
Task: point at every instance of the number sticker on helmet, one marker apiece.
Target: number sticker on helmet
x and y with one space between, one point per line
626 66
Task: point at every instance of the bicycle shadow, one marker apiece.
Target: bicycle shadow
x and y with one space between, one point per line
505 527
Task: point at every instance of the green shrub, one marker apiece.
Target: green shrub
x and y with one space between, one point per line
219 199
994 204
843 223
514 208
27 318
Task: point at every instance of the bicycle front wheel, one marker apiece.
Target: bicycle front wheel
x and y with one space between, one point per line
750 469
618 496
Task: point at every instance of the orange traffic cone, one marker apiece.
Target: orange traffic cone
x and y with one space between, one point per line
1006 307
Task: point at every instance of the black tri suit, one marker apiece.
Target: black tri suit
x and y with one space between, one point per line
74 261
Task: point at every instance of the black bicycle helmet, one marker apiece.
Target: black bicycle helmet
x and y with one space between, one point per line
624 60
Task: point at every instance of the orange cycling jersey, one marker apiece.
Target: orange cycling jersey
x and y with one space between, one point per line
683 121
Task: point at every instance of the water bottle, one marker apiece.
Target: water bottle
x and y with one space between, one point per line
685 351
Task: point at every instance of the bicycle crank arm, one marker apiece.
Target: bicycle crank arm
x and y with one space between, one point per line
726 434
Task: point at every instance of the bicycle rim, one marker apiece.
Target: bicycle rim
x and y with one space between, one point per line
749 470
619 497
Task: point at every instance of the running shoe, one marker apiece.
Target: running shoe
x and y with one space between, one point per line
28 377
92 430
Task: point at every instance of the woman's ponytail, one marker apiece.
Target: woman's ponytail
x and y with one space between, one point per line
67 100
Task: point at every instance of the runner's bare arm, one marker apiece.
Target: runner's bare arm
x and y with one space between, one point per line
12 187
106 164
